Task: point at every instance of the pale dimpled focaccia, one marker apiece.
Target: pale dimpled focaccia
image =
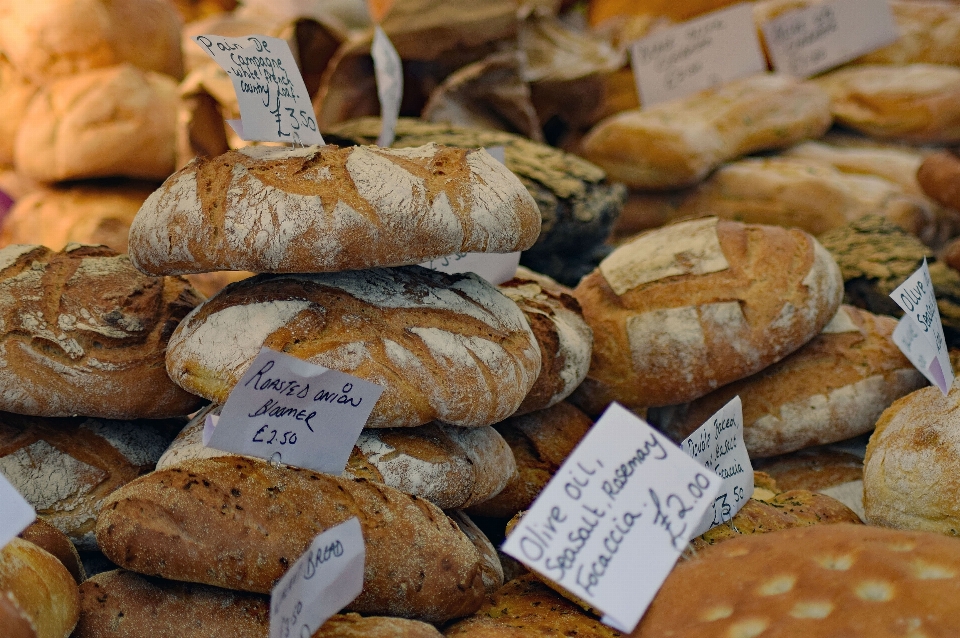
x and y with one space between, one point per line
41 587
678 143
684 309
444 347
324 209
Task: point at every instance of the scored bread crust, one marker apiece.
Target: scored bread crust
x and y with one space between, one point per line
444 347
240 523
41 587
326 209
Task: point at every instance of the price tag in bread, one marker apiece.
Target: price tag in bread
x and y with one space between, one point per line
919 335
288 410
16 513
615 517
711 50
325 579
718 445
274 103
806 41
388 72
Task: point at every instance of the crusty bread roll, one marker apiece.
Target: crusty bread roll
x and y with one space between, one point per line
36 582
917 103
65 467
171 523
939 176
115 121
678 143
86 333
684 309
15 94
322 209
444 347
833 388
46 536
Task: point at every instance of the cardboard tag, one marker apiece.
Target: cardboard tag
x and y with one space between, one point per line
919 335
615 517
274 103
291 411
389 75
805 42
718 445
324 580
699 54
16 514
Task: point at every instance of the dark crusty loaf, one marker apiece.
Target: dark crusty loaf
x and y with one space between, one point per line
41 587
83 332
444 347
323 209
240 523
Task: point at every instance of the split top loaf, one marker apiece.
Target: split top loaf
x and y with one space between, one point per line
328 209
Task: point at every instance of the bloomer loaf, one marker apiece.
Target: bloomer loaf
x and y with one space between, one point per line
324 209
83 332
444 347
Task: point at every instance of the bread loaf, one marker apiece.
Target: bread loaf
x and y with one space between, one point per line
929 32
65 467
240 523
84 333
322 209
490 568
444 347
39 584
15 94
49 538
115 121
678 143
681 310
814 469
15 622
939 176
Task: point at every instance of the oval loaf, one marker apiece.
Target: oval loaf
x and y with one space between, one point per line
41 587
324 209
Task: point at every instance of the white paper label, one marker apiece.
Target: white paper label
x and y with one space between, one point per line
706 52
274 103
16 513
718 445
209 425
324 580
494 267
291 411
919 335
615 517
805 42
498 153
388 72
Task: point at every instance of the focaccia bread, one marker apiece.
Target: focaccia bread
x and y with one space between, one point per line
444 347
240 523
39 585
325 209
678 143
684 309
83 332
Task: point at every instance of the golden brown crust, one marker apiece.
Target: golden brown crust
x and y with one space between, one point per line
939 176
15 622
813 469
356 626
49 538
41 586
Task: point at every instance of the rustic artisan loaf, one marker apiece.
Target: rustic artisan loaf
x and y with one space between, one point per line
55 542
83 332
240 523
116 121
66 467
681 310
15 95
491 570
444 347
929 32
39 584
678 143
826 469
322 209
939 176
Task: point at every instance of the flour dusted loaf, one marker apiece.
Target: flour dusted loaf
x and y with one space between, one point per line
444 347
323 209
681 310
35 582
678 143
240 523
84 332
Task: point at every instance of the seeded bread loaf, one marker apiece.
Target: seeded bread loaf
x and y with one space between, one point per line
324 209
240 523
38 584
444 347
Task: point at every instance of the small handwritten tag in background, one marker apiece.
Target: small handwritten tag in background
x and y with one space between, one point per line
388 71
16 514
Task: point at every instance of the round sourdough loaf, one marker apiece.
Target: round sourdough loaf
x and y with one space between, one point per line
444 347
36 582
683 309
324 209
83 332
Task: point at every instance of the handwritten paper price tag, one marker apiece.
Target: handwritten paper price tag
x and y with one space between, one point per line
699 54
805 42
919 335
718 445
324 580
294 412
388 72
16 513
274 103
616 516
